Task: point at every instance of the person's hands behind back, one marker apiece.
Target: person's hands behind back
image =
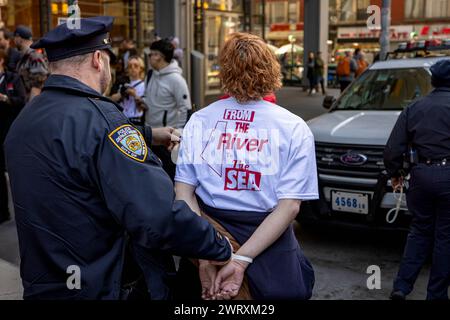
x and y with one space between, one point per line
229 280
397 183
207 273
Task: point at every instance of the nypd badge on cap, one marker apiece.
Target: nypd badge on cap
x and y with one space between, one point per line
130 142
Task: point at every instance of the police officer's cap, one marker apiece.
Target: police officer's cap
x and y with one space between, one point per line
65 42
441 73
24 32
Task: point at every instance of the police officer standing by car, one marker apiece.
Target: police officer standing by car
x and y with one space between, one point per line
422 133
86 187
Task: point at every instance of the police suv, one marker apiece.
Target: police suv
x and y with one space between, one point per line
351 137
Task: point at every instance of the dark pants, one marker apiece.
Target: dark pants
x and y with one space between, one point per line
320 81
429 202
312 83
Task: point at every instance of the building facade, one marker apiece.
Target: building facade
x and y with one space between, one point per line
410 20
134 19
204 25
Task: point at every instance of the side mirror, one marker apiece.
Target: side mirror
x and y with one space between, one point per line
328 102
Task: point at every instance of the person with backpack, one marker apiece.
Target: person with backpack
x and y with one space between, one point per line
361 63
346 71
33 65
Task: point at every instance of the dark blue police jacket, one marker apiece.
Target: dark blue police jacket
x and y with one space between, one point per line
83 181
424 127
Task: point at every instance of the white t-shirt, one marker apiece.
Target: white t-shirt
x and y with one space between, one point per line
247 156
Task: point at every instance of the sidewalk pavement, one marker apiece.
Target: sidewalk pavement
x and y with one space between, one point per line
10 282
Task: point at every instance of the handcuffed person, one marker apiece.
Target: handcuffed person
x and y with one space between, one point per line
245 164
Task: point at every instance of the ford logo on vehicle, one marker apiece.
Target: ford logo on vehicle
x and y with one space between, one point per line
353 159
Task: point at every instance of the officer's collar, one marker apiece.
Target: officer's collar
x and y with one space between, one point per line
69 84
58 81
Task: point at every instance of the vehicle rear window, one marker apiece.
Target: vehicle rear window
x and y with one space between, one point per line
389 89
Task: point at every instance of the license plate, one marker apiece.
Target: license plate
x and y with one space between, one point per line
350 202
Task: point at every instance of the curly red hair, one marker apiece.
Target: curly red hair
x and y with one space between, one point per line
249 70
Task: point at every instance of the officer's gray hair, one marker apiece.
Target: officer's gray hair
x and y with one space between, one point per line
69 63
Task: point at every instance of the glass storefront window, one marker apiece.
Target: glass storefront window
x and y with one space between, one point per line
415 9
217 28
361 9
147 11
214 21
437 9
277 12
224 5
293 9
26 12
42 15
348 10
258 18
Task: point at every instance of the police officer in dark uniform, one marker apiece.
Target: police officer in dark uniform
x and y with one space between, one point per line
422 133
86 186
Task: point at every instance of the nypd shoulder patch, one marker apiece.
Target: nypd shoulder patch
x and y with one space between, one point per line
130 142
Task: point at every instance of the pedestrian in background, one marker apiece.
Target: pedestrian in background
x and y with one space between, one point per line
178 53
361 63
345 70
33 65
13 55
12 100
320 72
130 95
422 133
127 49
311 73
167 96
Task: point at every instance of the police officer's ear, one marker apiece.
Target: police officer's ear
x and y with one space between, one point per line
98 61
